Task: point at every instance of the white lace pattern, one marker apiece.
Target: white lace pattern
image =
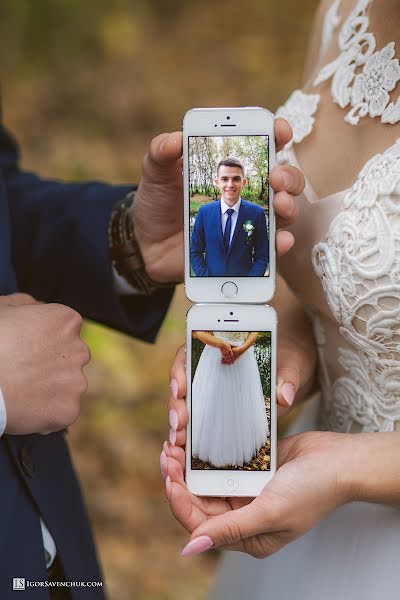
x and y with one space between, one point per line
331 21
358 262
361 76
232 337
298 111
359 266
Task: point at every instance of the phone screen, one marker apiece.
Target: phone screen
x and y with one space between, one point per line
230 400
229 206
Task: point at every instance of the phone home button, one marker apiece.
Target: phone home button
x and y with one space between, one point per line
229 289
231 484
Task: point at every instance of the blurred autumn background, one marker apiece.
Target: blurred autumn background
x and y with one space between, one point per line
85 87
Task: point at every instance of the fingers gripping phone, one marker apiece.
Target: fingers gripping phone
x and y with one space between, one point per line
229 218
231 366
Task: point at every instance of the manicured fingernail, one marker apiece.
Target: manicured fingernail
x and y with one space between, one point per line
163 142
288 393
173 384
163 464
168 487
173 419
197 546
287 179
172 437
166 448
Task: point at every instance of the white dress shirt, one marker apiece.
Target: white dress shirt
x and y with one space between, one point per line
123 288
234 216
50 549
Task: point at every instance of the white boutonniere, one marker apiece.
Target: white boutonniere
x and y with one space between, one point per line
248 226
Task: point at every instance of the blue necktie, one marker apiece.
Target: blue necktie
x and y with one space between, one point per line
228 229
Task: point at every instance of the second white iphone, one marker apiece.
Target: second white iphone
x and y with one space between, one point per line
231 382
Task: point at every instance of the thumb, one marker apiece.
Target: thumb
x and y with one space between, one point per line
165 149
229 529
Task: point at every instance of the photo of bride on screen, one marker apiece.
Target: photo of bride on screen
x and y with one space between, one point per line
230 400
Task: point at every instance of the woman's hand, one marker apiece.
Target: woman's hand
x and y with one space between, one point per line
294 367
235 355
226 350
158 207
238 351
310 482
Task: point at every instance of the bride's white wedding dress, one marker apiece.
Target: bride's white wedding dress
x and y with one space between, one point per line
229 421
346 268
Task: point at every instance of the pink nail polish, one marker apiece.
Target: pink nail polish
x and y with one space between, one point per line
168 487
288 393
197 546
166 448
172 437
173 419
163 464
173 384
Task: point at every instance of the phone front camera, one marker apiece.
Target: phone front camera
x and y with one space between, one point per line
219 320
215 125
228 118
231 313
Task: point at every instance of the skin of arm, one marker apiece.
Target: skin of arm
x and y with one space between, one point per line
208 338
372 469
239 350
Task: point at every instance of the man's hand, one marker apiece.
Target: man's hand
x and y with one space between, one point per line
41 362
158 209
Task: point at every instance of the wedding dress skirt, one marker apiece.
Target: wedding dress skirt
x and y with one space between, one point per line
229 420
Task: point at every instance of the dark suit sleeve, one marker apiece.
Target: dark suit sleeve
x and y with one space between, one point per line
60 247
198 247
261 247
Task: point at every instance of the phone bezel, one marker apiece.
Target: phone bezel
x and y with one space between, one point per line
254 318
213 122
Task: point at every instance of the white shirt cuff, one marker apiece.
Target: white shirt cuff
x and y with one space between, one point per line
3 414
50 549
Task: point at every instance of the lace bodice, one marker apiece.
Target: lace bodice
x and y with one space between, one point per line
236 338
346 261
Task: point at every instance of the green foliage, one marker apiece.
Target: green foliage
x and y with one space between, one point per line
262 350
205 154
197 349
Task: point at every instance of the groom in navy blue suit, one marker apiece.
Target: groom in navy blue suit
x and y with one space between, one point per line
230 236
54 248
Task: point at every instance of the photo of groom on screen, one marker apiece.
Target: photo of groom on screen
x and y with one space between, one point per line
229 234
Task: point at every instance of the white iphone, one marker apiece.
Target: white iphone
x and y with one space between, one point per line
231 400
228 154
